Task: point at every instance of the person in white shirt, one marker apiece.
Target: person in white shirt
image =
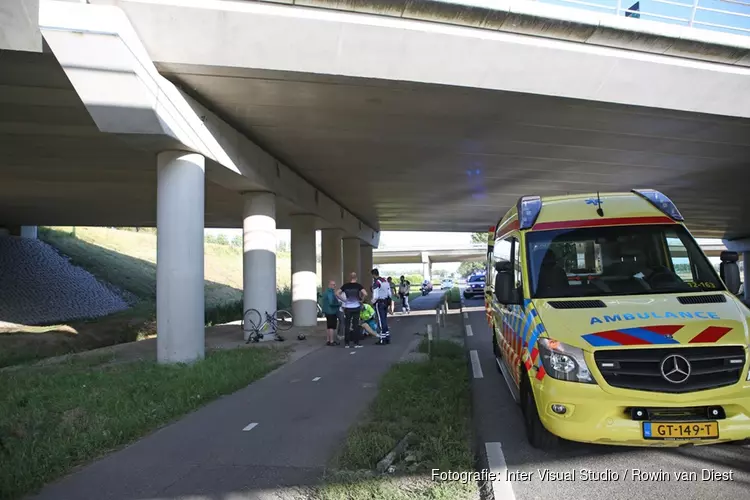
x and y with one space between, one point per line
381 292
403 291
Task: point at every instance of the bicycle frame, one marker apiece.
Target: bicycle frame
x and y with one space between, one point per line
257 333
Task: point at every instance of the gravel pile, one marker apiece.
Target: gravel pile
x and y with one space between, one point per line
39 286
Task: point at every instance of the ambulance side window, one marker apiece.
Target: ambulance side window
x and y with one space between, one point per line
503 249
517 268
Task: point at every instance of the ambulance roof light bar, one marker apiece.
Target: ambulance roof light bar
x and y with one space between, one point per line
661 202
528 210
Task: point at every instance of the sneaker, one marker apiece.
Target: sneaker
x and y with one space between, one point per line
347 346
357 346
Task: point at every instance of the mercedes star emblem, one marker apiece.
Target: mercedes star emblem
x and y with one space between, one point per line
675 369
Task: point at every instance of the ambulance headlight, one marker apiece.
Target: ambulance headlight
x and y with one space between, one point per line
564 362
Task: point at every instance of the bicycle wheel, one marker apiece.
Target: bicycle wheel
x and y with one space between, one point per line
251 321
283 320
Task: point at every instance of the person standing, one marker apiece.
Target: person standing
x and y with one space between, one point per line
352 294
404 288
381 292
331 306
391 303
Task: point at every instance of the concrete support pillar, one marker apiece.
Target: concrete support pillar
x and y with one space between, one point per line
180 300
259 253
351 258
366 265
330 259
426 266
304 279
29 232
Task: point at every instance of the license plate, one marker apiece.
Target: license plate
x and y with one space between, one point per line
680 430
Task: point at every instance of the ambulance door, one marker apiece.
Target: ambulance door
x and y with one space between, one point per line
503 315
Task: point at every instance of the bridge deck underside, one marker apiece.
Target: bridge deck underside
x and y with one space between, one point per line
438 158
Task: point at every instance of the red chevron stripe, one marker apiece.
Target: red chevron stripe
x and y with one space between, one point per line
664 329
527 364
534 354
540 373
710 334
622 338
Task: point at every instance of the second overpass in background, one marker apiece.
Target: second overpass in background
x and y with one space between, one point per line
466 253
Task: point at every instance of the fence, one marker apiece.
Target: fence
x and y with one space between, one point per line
730 16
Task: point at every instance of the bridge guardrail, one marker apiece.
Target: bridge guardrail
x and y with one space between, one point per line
704 14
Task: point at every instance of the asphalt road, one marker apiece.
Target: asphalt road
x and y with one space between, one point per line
498 420
275 435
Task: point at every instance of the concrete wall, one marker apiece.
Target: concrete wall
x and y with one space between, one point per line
19 29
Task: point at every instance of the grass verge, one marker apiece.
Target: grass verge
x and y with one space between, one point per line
55 418
430 400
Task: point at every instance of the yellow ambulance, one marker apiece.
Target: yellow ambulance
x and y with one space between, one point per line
611 326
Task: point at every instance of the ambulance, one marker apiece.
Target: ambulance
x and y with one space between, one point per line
611 326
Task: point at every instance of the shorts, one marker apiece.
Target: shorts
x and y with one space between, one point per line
332 321
372 324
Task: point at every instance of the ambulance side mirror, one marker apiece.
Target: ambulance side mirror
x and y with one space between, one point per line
505 290
729 271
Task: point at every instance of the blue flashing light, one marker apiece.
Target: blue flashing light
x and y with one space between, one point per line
528 211
661 202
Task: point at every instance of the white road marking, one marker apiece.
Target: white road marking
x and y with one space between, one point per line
501 487
475 366
466 315
353 352
250 427
316 379
469 331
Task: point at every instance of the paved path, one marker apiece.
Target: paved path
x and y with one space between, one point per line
499 420
278 432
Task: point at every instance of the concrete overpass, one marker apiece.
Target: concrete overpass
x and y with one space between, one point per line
184 114
471 253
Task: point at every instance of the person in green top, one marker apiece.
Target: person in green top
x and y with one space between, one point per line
330 306
367 320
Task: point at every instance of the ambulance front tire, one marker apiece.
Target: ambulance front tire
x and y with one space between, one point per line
538 436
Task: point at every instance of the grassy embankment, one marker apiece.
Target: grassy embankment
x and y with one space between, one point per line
429 399
127 260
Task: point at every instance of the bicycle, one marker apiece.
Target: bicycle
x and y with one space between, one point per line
281 320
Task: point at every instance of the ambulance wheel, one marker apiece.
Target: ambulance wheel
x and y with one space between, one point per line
539 437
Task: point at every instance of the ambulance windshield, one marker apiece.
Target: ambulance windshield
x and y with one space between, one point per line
623 260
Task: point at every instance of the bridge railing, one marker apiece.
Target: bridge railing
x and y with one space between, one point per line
729 16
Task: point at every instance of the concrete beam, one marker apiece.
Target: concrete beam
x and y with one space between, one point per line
19 28
366 46
117 81
558 22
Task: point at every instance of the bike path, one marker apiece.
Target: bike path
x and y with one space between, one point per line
301 412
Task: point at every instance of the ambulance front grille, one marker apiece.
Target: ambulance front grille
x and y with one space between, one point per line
641 369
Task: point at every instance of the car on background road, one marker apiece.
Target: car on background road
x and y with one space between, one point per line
446 284
426 287
474 286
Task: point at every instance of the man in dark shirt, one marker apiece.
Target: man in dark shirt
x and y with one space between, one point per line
352 295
